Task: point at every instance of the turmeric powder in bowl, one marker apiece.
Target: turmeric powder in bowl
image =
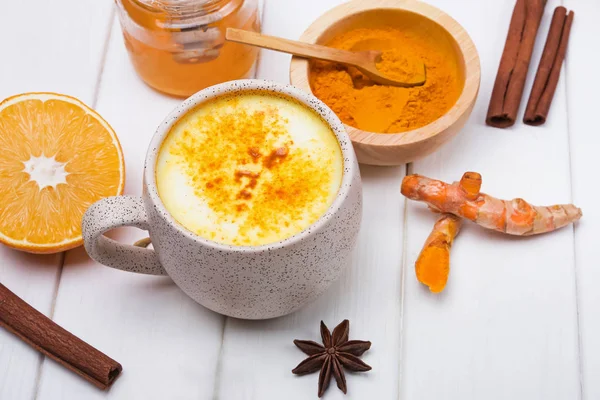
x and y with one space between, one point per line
361 103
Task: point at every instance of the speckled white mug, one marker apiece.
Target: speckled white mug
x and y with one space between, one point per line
245 282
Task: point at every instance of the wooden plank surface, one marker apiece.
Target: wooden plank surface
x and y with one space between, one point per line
506 326
57 47
258 356
168 344
583 86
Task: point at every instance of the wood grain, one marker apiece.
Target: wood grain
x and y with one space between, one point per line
397 149
295 47
364 61
41 54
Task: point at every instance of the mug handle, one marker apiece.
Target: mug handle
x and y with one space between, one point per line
114 212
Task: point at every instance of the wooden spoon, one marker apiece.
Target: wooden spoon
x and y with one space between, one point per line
364 61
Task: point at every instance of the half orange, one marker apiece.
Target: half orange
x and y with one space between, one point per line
57 157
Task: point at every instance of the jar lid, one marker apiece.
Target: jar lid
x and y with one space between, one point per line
184 8
186 14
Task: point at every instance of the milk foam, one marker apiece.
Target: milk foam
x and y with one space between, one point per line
249 169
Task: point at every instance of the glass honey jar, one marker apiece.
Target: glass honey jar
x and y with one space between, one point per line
178 47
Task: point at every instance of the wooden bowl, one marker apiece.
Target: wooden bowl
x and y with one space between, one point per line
398 148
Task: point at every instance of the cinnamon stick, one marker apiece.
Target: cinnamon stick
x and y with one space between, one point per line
514 64
44 335
548 71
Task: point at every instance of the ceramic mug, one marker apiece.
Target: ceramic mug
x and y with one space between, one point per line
251 282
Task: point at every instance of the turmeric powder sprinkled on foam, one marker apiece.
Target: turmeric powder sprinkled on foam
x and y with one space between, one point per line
244 164
361 103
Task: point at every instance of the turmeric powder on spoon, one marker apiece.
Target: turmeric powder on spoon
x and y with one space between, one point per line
361 103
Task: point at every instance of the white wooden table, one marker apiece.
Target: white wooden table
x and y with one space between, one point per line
518 320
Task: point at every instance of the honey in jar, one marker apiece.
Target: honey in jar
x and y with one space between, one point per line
178 47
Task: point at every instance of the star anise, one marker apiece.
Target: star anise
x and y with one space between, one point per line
337 351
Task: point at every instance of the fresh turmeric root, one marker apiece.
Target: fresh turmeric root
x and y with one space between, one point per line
463 199
433 265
